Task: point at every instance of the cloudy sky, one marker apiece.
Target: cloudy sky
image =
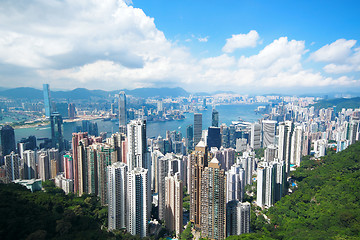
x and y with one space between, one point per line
245 46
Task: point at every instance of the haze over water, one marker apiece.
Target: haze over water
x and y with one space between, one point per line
227 114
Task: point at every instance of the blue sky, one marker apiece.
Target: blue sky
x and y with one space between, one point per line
243 46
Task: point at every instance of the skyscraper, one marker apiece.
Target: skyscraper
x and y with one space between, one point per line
117 195
7 141
57 131
29 165
270 183
296 146
138 202
47 104
190 137
214 137
163 167
198 161
12 167
235 183
104 158
68 167
215 118
44 166
268 132
76 137
174 203
237 218
213 202
71 110
122 109
284 143
197 128
137 154
255 139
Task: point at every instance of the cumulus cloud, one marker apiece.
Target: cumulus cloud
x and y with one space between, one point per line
241 41
113 45
335 52
348 65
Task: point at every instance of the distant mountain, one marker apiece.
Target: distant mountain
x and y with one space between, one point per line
339 103
80 93
83 93
22 92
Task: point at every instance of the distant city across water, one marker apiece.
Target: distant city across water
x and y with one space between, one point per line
227 114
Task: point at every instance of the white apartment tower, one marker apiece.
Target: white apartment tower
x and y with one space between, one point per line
268 132
235 183
255 141
138 202
117 195
137 154
237 218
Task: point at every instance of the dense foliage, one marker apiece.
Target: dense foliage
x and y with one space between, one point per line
49 215
325 203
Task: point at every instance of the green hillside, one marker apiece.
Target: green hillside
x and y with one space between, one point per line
340 103
325 204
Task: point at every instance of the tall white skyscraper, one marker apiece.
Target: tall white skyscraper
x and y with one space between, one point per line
296 146
247 163
255 139
12 167
197 128
270 182
29 165
235 183
117 195
122 109
137 154
284 143
268 132
139 205
237 218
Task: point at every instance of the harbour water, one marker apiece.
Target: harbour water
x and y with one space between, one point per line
227 114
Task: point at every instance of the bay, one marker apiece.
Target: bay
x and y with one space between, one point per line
227 114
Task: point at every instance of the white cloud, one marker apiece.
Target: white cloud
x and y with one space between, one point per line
204 39
337 51
241 41
111 45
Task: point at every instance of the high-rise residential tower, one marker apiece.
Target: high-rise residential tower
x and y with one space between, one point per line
117 195
237 218
268 132
139 204
137 154
235 183
198 160
213 202
174 203
255 137
12 167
